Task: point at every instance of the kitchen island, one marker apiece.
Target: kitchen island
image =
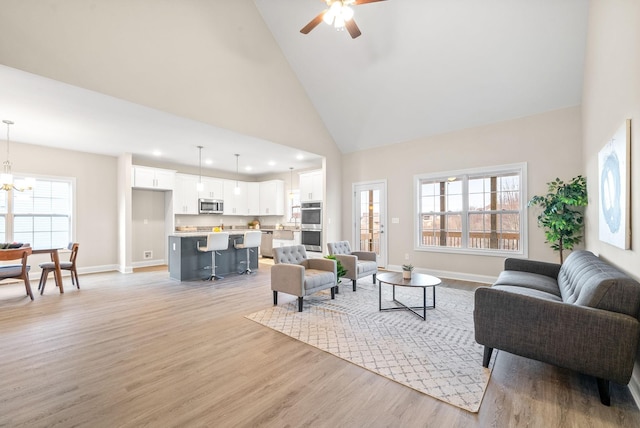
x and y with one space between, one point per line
186 263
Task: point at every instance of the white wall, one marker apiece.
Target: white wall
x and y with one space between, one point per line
550 143
611 95
95 220
197 59
148 223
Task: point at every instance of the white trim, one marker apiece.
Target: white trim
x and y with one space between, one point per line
520 168
484 279
147 263
383 219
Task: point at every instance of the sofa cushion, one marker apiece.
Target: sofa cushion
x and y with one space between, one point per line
529 280
586 280
525 291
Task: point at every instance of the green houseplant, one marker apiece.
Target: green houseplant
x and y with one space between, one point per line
340 270
562 215
406 270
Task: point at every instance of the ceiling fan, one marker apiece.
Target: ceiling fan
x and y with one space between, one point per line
340 15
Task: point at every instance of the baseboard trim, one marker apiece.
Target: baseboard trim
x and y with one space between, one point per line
148 263
451 275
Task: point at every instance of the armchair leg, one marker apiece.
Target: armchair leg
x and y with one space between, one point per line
354 285
487 356
603 390
374 278
333 292
300 304
275 297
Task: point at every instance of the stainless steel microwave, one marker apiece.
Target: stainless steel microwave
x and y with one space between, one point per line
210 206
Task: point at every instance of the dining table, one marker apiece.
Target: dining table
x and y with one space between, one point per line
55 258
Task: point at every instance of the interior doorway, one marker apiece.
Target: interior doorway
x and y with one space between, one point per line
370 218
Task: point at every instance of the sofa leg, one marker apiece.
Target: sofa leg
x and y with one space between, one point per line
333 292
374 278
354 285
603 390
487 356
275 297
300 304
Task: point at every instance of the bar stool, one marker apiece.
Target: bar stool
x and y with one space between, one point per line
216 241
251 239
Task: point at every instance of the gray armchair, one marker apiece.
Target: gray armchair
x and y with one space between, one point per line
357 263
293 273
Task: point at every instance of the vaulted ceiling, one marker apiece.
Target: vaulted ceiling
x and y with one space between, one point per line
420 68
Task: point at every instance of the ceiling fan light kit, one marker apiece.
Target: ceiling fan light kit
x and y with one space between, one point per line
340 15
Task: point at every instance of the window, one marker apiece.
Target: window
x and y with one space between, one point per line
41 216
473 211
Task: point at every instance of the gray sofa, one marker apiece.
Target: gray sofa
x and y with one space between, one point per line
582 315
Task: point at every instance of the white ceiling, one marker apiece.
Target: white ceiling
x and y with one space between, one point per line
420 68
427 67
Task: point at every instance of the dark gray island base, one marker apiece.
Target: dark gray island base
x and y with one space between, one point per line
186 263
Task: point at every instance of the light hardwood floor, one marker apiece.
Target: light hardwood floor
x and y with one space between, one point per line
143 350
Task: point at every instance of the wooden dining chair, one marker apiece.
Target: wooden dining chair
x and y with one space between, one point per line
18 271
49 267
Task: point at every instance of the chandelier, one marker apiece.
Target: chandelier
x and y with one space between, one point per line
6 177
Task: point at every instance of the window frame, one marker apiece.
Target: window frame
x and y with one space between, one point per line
10 215
465 174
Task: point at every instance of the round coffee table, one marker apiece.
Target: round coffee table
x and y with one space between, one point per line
418 280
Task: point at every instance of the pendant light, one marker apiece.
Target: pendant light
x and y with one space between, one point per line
199 186
236 191
291 183
6 177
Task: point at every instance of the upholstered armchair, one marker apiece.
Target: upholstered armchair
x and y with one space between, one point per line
293 273
357 263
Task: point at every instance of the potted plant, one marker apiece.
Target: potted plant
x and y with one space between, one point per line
562 215
340 270
406 271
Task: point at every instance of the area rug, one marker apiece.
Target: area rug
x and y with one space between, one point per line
438 357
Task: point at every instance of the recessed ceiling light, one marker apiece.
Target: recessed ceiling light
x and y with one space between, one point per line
272 163
208 161
247 168
157 153
299 157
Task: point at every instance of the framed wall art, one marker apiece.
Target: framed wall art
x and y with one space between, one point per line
614 189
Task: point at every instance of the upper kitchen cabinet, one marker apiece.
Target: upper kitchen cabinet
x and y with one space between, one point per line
145 177
213 188
253 198
235 202
311 186
185 196
272 197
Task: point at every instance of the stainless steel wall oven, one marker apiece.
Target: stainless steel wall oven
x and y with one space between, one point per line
311 225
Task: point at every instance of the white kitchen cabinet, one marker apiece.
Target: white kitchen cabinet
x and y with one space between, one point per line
272 197
213 188
235 204
311 186
145 177
185 194
253 198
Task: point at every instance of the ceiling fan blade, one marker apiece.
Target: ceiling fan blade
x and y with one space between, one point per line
352 28
313 23
357 2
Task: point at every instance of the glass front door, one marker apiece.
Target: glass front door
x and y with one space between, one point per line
370 219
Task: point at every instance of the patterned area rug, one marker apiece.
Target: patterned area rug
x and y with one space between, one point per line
438 357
